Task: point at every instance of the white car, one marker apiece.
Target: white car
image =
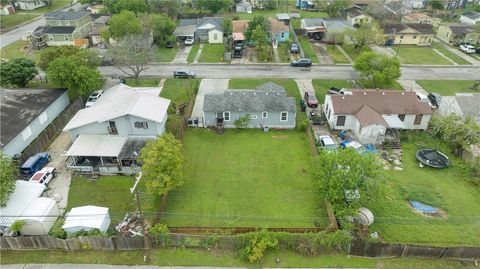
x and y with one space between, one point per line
189 41
467 48
93 98
326 142
44 176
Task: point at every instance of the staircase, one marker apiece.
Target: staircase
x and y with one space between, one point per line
394 144
220 127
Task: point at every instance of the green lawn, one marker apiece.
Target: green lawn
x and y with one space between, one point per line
419 55
240 179
179 90
336 55
440 47
143 82
15 50
193 53
313 14
164 54
284 52
308 50
352 52
447 188
211 53
447 87
198 257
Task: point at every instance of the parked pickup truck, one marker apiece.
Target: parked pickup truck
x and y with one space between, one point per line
44 176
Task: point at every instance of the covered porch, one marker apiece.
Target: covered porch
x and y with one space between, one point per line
183 32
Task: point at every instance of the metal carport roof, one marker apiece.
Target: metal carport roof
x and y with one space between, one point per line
97 145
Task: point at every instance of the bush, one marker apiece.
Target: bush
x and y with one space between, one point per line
242 122
258 243
303 123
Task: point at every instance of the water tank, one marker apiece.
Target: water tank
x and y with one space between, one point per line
364 216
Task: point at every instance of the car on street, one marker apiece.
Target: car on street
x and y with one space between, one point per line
44 176
169 44
35 163
311 99
326 143
183 73
302 63
467 48
189 41
93 98
294 48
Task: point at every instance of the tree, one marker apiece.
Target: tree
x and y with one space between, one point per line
458 132
162 166
271 4
82 56
214 5
261 43
366 34
436 4
380 69
227 26
7 178
17 226
125 23
132 54
347 179
117 6
334 7
18 72
169 7
162 27
257 21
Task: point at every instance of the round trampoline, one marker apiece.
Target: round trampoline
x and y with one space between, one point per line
433 158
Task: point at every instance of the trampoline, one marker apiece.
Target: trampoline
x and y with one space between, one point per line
433 158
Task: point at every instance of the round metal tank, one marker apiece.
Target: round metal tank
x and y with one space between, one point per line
364 216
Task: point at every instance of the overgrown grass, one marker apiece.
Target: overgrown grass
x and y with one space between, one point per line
284 52
14 50
211 53
440 47
165 54
411 54
143 82
336 55
307 49
179 90
353 53
193 53
447 87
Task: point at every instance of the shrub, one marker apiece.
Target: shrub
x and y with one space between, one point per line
258 244
242 122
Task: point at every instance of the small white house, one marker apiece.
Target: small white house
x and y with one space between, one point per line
30 4
470 17
243 7
87 218
6 10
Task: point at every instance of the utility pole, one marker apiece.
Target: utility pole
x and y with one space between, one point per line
146 256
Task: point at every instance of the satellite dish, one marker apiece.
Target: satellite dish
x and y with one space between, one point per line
364 216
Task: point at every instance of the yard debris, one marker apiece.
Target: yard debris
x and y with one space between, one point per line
392 159
131 225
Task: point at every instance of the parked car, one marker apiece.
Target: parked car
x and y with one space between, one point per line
44 176
311 99
189 41
238 51
169 44
326 143
467 48
302 63
35 163
477 50
294 48
183 73
435 98
93 98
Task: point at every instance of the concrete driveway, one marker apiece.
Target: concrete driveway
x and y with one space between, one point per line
207 86
182 54
321 52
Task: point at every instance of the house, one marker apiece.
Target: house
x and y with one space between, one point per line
100 24
457 33
370 113
422 18
109 135
238 29
25 114
26 204
279 31
414 4
408 34
304 4
266 106
207 29
30 4
243 7
337 26
313 28
470 17
285 17
87 218
63 28
357 17
6 9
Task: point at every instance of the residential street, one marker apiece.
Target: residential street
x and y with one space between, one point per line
286 71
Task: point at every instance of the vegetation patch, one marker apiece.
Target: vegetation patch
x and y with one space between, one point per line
307 49
337 56
143 82
164 54
410 54
193 53
211 53
447 87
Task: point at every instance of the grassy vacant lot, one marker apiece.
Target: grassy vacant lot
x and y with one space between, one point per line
240 179
23 15
197 257
179 90
143 82
440 47
419 55
284 52
337 56
307 49
447 87
193 52
15 50
164 54
212 53
447 189
352 52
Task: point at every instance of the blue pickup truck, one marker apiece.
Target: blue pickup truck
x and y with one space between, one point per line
35 163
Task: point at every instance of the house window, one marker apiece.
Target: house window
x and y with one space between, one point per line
264 114
328 114
341 120
141 124
282 35
401 117
414 37
66 37
253 117
401 37
112 128
59 23
226 115
215 36
50 38
283 116
26 133
418 119
43 117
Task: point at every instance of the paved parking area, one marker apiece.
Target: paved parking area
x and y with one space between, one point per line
182 54
321 52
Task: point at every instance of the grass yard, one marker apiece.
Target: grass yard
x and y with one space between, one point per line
240 178
337 56
353 53
440 47
419 55
193 53
284 52
308 50
179 90
447 189
14 50
143 82
212 53
447 87
313 14
164 54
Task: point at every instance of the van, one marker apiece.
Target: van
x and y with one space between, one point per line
35 163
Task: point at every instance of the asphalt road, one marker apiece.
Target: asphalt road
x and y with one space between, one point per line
285 71
18 33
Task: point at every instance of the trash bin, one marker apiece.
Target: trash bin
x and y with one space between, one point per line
122 80
265 129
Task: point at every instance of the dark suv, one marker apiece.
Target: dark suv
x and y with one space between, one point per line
183 73
302 63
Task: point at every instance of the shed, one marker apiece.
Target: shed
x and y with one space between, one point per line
243 7
87 218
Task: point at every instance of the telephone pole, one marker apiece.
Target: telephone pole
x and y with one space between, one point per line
146 255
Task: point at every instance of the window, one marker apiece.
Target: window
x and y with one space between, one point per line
226 115
414 37
283 116
59 23
66 37
50 38
341 120
401 117
401 37
141 124
43 117
215 36
252 117
328 114
418 119
264 114
282 35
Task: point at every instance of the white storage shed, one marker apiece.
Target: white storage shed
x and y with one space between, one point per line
87 218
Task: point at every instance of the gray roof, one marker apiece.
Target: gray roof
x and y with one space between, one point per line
472 15
102 19
269 97
66 15
421 28
313 22
337 24
59 30
217 21
20 107
283 16
461 29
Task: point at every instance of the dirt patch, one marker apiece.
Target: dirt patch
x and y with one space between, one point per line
280 136
440 213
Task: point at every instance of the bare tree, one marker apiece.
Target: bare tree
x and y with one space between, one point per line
132 54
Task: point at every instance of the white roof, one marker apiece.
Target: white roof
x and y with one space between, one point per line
25 192
86 216
97 145
39 209
121 100
394 122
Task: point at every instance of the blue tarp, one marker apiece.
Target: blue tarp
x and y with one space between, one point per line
423 208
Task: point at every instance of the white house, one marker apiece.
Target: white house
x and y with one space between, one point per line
243 7
207 29
470 17
87 218
6 9
109 135
30 4
369 113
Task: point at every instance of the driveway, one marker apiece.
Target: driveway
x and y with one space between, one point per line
207 86
383 50
321 52
459 53
182 55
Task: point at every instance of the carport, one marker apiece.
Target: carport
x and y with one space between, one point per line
183 32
